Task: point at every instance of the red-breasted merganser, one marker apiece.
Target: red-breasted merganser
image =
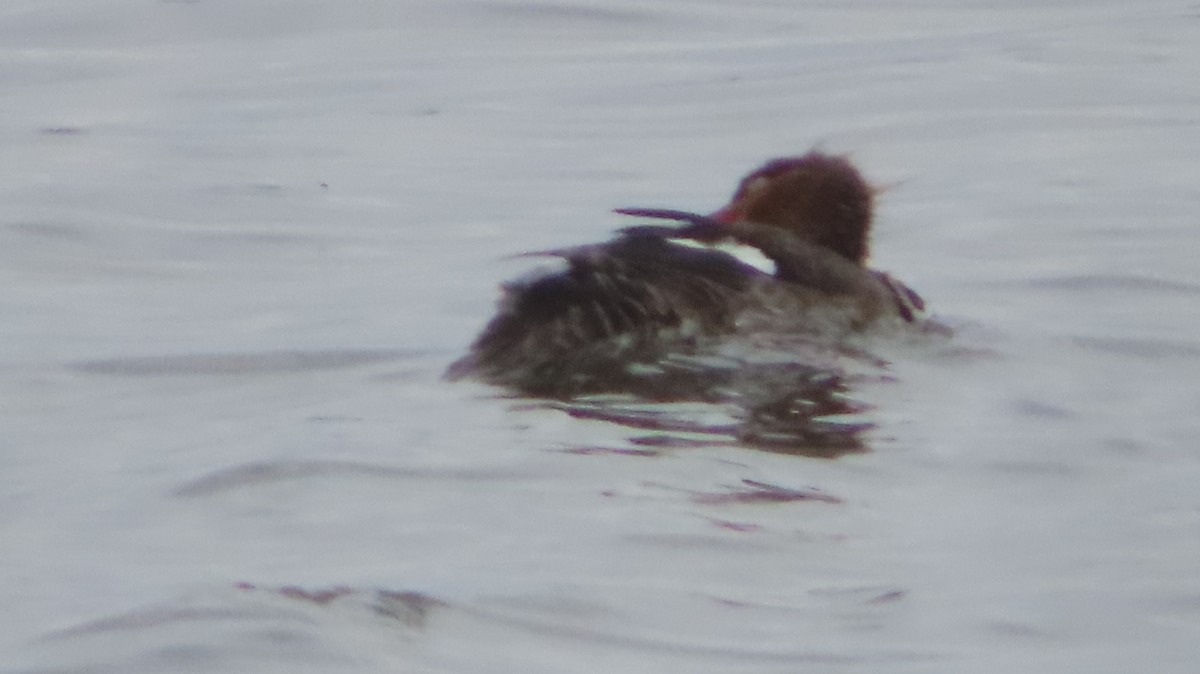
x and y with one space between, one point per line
658 290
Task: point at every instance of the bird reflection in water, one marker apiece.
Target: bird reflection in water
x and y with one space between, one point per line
782 407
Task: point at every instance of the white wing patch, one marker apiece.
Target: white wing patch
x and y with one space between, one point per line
746 254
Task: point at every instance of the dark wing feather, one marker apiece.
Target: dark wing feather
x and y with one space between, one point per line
625 301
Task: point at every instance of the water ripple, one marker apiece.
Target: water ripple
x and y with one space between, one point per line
254 474
1154 349
1112 283
265 362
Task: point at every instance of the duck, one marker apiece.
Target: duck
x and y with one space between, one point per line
657 291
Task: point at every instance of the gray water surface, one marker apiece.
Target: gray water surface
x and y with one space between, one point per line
239 242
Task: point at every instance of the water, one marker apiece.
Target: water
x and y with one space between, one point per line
240 242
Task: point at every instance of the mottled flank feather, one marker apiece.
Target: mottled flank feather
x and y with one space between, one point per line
620 303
